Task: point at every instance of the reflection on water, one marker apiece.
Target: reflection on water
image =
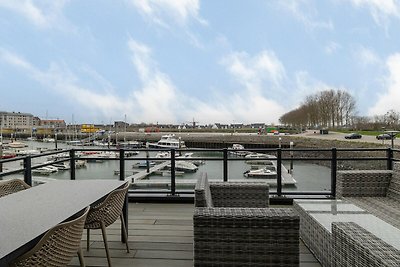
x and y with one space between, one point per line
309 177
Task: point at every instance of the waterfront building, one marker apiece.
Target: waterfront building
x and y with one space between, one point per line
16 120
53 123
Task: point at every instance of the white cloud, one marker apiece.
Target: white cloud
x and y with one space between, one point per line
162 11
66 83
306 13
390 98
332 47
42 13
252 71
367 57
157 100
381 10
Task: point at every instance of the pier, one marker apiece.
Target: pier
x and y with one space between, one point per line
143 174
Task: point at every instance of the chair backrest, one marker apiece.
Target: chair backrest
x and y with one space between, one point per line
12 186
202 193
394 186
108 210
57 247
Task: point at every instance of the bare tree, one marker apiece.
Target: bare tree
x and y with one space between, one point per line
328 108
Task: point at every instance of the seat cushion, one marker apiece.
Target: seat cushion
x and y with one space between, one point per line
385 208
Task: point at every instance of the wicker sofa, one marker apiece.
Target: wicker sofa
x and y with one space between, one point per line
376 191
234 226
353 246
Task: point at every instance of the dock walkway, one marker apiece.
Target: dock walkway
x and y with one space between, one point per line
143 174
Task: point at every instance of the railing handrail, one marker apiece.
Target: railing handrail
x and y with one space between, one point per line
333 156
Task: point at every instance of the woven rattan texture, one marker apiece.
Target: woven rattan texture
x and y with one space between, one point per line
231 194
202 192
315 236
246 237
377 192
108 210
12 186
353 246
57 247
363 183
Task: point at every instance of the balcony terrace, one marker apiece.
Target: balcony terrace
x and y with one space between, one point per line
160 234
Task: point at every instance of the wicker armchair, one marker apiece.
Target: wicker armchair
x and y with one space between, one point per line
376 191
233 226
106 213
57 247
12 186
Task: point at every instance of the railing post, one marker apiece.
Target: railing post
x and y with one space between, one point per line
72 163
122 178
121 164
279 171
389 154
173 186
333 172
225 164
28 170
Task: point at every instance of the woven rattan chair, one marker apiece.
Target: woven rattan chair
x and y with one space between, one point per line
106 213
57 247
12 186
376 191
234 226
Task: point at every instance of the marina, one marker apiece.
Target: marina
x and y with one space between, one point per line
305 175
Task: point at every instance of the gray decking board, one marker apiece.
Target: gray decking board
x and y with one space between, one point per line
159 235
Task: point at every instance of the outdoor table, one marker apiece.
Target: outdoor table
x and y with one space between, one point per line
26 215
317 217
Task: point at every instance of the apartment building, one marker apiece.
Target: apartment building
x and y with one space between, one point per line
16 120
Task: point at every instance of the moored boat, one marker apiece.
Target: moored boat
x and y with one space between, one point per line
168 141
16 145
237 150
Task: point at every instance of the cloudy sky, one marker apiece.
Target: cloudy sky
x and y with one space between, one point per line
172 61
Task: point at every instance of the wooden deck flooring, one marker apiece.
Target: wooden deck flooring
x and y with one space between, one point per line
159 235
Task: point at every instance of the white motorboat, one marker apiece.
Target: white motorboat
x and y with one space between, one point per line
143 164
188 156
62 166
168 141
184 166
48 140
129 144
237 150
16 145
28 152
264 173
45 170
59 156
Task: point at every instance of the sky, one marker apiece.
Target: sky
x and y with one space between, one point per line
175 61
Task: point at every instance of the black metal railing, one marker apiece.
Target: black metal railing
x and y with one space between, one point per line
282 154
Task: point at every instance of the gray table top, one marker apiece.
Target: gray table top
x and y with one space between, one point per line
325 212
28 214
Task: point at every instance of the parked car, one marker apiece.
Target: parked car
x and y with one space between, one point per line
385 136
353 136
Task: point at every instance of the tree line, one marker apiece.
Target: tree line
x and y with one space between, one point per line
330 108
